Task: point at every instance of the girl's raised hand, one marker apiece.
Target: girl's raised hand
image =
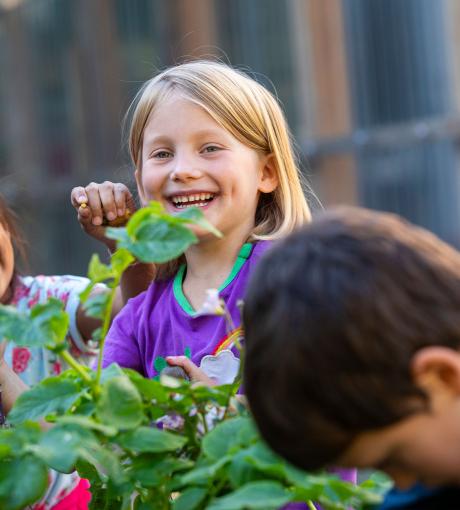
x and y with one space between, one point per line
102 205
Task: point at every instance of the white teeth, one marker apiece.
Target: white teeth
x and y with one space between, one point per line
182 199
199 204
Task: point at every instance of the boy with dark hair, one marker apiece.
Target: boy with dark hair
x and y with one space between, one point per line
374 301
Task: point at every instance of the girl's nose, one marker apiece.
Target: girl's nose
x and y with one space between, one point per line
184 172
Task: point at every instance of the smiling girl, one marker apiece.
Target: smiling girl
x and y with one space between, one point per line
202 134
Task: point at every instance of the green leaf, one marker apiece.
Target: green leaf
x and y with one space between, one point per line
97 305
262 495
202 475
88 423
149 388
120 260
113 370
60 446
241 472
195 216
146 439
105 461
120 404
150 213
190 499
16 440
223 438
97 271
52 395
22 482
151 471
160 242
39 327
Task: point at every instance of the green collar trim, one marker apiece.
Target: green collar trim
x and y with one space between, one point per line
179 278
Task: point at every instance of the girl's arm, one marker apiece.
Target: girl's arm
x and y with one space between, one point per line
11 385
135 280
99 206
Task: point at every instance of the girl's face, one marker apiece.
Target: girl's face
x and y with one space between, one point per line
190 160
6 263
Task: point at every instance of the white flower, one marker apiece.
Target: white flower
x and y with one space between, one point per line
212 305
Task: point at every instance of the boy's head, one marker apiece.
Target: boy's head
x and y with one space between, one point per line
352 337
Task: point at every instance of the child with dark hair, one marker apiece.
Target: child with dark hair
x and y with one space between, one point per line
353 351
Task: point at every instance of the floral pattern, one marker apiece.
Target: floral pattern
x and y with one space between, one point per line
35 363
21 357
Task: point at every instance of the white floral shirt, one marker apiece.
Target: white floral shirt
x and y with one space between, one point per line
33 364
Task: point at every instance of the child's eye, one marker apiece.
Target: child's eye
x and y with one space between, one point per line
162 155
211 148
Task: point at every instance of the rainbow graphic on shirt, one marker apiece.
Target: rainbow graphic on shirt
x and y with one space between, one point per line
229 340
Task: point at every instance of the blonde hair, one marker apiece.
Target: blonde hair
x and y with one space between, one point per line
252 115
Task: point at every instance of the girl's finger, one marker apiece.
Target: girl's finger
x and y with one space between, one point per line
84 215
94 203
78 196
123 199
107 196
195 374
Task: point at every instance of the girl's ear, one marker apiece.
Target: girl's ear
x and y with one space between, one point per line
140 188
437 368
269 176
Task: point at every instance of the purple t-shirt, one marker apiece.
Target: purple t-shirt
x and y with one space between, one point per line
160 322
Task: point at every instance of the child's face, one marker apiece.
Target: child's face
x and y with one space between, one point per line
6 262
422 448
189 159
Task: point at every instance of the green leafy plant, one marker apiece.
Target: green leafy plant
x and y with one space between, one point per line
145 444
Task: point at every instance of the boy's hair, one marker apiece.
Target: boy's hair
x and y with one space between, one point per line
333 317
251 114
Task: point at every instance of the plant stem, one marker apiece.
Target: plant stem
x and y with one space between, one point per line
205 425
104 330
71 361
311 506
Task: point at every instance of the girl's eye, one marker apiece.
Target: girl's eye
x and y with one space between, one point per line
211 148
162 155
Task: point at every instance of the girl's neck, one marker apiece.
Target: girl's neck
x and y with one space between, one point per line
208 265
208 260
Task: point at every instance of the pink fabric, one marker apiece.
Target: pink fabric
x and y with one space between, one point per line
78 499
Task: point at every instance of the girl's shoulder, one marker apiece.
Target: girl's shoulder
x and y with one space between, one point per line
31 290
158 291
258 249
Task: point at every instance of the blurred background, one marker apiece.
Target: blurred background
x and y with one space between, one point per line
371 89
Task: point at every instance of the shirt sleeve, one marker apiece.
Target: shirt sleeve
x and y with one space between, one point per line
121 344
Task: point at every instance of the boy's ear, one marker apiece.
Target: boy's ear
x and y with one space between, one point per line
437 367
269 175
140 188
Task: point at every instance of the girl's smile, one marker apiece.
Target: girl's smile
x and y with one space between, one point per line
193 198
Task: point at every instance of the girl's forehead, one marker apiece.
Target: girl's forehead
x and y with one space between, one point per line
179 110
